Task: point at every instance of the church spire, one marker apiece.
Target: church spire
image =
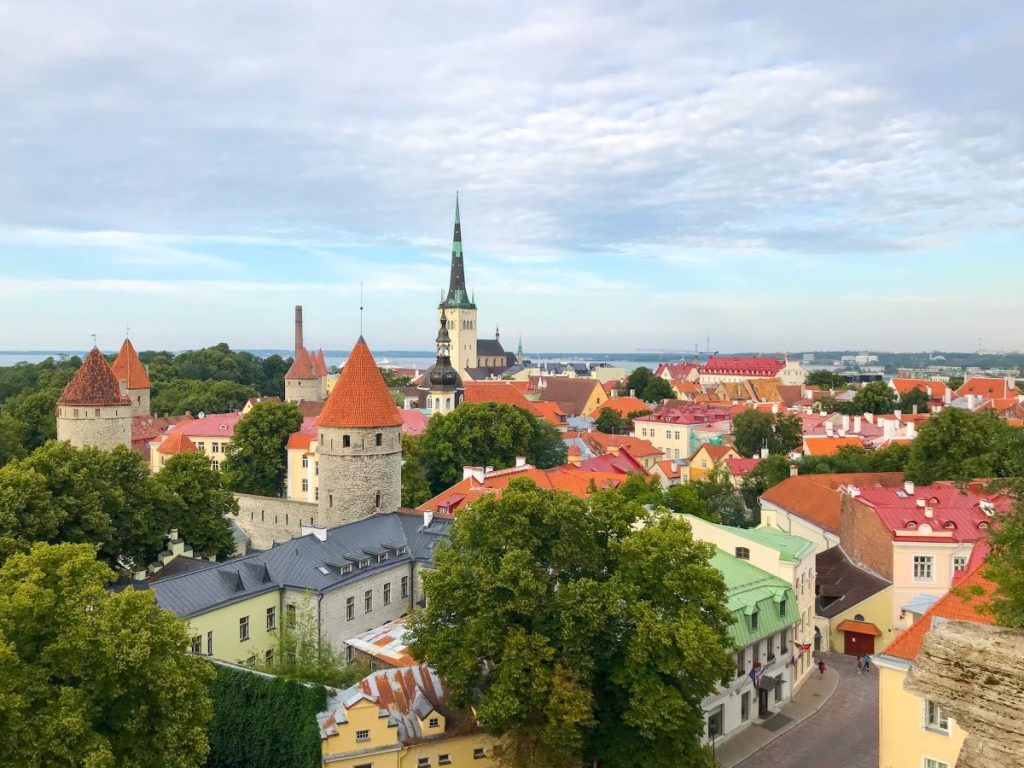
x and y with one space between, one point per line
458 296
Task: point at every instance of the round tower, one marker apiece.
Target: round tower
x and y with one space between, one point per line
302 381
132 376
93 410
360 444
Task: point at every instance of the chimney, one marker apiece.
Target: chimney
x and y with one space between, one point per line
298 328
794 470
477 473
319 533
911 430
828 428
428 517
929 512
520 461
856 425
908 486
846 422
870 418
898 414
764 452
921 503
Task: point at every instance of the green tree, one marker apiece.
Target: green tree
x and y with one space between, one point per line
11 433
638 380
1005 563
955 382
180 395
685 500
611 422
753 430
415 488
480 434
206 503
825 379
580 630
642 490
27 509
37 411
724 502
93 678
657 389
874 397
960 445
914 398
256 458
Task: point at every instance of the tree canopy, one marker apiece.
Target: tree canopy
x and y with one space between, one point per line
1005 563
778 432
960 445
206 503
648 387
481 434
825 379
93 678
611 422
256 458
574 631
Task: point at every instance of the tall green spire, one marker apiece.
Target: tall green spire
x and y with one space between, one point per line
458 296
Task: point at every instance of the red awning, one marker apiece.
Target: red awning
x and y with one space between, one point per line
860 627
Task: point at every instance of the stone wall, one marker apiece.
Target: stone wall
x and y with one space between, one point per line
267 520
864 538
105 427
352 475
335 625
140 401
302 389
973 672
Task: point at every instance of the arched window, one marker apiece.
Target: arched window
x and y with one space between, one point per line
437 403
379 439
447 403
346 441
858 617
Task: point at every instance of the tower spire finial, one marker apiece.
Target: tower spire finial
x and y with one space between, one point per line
360 309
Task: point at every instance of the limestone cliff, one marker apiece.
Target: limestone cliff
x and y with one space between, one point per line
976 674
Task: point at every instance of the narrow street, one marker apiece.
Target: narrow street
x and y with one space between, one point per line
844 733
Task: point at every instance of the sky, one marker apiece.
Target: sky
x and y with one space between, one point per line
632 175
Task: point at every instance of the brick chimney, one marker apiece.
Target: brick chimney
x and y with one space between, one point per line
298 328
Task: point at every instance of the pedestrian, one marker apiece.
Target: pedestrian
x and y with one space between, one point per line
867 663
821 669
860 664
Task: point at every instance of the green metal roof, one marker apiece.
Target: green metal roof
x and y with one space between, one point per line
791 548
748 590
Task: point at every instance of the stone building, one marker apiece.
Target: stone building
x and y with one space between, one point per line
307 379
93 409
360 444
132 376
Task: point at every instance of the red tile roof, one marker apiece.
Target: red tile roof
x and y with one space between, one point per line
552 413
740 467
863 627
829 446
742 366
961 604
302 366
624 405
936 390
414 422
93 384
128 368
175 443
714 452
319 364
669 468
987 387
497 392
360 397
600 442
305 435
816 498
212 425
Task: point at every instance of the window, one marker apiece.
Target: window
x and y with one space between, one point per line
368 601
243 628
271 619
346 441
197 644
290 610
478 753
405 586
251 661
444 760
376 503
330 500
930 763
268 657
364 563
305 485
434 722
350 608
362 735
348 654
201 446
387 593
215 465
668 434
757 651
423 762
715 721
778 690
754 617
382 557
782 608
923 567
934 718
741 667
378 439
346 569
959 563
209 643
214 447
677 435
97 412
305 461
745 707
364 765
743 553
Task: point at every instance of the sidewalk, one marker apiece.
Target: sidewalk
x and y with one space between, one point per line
812 697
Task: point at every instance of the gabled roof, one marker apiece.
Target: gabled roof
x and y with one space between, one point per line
302 366
360 397
601 442
93 384
840 583
740 467
212 425
174 443
817 499
552 413
572 394
127 367
961 604
936 390
506 392
987 387
675 370
829 446
414 422
714 452
320 364
669 468
742 366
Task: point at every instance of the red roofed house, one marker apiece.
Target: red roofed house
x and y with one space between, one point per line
988 388
938 393
600 443
828 446
172 445
671 372
672 426
739 468
210 434
914 731
668 472
918 537
706 458
624 406
93 409
130 372
719 369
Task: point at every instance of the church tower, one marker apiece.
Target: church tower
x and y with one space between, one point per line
92 409
458 309
131 374
360 444
446 389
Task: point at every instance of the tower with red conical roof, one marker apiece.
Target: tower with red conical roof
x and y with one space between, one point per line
360 444
303 380
93 409
131 374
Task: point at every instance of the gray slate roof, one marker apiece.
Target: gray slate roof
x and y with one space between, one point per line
299 563
841 584
489 348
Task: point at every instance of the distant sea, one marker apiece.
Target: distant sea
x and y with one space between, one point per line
396 358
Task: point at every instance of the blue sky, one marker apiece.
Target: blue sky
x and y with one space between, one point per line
633 175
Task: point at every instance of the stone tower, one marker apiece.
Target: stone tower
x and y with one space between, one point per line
446 388
302 382
360 444
458 309
132 376
93 410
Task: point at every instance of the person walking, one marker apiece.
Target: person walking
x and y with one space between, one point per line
821 669
860 664
867 663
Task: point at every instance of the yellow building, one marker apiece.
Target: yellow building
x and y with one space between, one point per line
914 731
706 458
399 718
853 608
210 434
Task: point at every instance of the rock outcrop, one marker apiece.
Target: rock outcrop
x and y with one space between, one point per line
975 673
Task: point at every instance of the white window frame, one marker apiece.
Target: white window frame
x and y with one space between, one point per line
926 563
959 563
935 718
931 762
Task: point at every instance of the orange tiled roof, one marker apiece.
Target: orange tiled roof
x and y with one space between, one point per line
302 366
498 392
93 384
669 468
816 498
624 405
936 390
715 452
552 413
960 604
320 364
360 398
829 446
176 442
128 368
862 627
601 442
987 387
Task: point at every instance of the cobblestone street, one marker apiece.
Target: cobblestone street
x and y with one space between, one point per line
844 733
